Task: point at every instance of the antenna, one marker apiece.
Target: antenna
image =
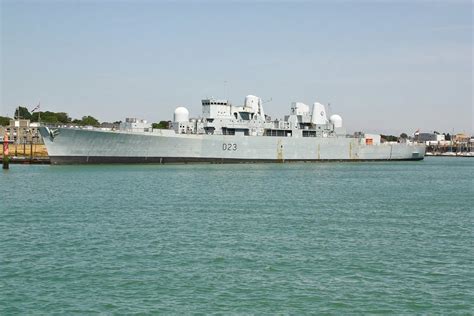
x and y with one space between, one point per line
225 89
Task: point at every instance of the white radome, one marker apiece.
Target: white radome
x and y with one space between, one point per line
336 120
181 114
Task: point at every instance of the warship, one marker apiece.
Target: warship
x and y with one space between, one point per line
225 133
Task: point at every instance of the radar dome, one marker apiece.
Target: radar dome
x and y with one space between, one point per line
336 120
181 114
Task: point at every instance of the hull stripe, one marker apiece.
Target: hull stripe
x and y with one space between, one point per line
59 160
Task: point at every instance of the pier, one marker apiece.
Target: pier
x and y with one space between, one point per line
26 153
454 150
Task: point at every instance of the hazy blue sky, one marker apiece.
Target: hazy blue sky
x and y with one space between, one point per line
384 66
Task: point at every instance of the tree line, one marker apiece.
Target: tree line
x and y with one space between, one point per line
392 138
49 117
61 118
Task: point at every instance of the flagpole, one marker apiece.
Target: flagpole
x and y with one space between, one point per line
17 128
37 108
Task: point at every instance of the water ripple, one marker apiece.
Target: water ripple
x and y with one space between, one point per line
238 239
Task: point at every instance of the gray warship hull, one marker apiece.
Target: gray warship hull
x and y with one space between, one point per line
87 146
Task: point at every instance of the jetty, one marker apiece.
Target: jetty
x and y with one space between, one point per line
30 153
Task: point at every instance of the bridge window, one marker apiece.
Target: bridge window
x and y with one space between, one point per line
245 116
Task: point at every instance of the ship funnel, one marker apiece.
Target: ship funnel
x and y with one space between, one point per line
299 108
319 114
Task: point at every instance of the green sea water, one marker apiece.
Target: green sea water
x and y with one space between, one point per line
303 238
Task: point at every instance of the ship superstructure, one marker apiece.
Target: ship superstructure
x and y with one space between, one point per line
226 133
220 117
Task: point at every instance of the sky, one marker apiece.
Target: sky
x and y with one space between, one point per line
384 66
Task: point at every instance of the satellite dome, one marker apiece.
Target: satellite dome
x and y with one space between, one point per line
336 120
181 114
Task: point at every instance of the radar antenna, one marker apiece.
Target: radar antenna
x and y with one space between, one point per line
225 89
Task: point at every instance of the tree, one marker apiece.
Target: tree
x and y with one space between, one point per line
22 112
89 121
4 121
46 117
403 135
63 117
161 125
51 117
35 116
389 138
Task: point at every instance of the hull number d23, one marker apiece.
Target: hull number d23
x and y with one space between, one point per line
229 147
